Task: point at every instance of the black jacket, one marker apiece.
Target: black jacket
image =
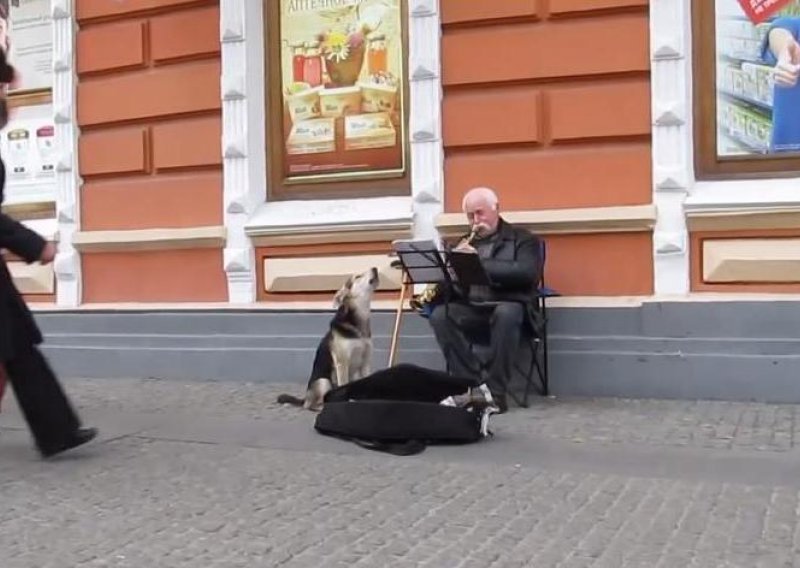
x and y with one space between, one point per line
514 264
17 326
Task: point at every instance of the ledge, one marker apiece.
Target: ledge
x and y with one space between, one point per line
355 234
633 218
744 218
290 305
149 239
739 195
339 220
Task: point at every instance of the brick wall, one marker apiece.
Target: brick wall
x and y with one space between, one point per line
150 148
548 102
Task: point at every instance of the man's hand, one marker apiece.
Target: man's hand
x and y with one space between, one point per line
48 253
465 247
787 69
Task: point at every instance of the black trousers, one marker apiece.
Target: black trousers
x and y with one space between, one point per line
47 410
457 326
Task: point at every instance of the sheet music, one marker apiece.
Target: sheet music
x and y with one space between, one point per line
422 259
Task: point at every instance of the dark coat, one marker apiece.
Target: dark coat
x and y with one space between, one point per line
17 326
514 264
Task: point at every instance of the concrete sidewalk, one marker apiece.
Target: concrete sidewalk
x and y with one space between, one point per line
216 474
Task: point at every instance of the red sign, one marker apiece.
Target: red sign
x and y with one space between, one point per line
760 10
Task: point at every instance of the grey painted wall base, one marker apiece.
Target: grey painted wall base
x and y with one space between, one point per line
694 350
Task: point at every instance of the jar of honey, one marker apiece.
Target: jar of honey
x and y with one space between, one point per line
376 54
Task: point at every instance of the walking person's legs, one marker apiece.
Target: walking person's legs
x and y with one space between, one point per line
2 385
53 423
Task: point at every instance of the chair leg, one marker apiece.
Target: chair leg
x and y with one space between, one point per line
542 387
545 355
529 376
546 370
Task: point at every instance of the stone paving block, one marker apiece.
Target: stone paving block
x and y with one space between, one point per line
144 500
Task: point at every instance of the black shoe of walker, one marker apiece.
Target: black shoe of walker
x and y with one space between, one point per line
80 437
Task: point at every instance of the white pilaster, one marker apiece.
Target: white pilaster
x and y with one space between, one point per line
427 148
244 162
670 48
67 263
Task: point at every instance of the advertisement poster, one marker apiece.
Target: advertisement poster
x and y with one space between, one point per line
26 34
759 10
342 89
27 146
758 64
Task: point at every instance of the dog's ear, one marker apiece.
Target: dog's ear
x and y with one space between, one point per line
343 292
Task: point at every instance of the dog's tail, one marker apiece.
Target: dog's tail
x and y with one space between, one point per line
289 399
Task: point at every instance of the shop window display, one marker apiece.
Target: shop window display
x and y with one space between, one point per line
337 97
747 96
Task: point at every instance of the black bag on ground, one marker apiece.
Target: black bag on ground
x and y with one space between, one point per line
397 410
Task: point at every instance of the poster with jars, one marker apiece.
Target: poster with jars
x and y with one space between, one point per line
27 144
342 89
758 63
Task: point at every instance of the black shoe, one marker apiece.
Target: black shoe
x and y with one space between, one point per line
79 437
480 398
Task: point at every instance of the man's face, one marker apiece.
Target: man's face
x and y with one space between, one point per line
482 216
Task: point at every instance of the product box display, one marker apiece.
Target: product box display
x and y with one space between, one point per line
745 125
313 136
369 131
303 102
378 98
344 101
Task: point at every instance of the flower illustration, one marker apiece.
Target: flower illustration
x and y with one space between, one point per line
336 46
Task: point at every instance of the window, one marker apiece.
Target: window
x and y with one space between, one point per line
27 141
747 112
337 92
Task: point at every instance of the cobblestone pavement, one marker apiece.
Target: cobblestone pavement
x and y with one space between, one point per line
216 474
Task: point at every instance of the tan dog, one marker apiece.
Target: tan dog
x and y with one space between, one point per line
345 353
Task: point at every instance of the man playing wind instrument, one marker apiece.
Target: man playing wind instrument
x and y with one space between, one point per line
511 258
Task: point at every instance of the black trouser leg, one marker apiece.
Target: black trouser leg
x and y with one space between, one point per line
47 410
506 327
449 322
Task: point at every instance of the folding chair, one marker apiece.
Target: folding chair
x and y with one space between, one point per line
542 293
534 336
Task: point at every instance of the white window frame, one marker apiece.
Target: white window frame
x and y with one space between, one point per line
676 192
248 213
67 262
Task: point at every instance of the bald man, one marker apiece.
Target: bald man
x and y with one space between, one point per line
510 256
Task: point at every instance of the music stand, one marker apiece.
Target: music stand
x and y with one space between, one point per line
421 263
468 268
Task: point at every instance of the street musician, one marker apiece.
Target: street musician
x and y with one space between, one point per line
510 257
